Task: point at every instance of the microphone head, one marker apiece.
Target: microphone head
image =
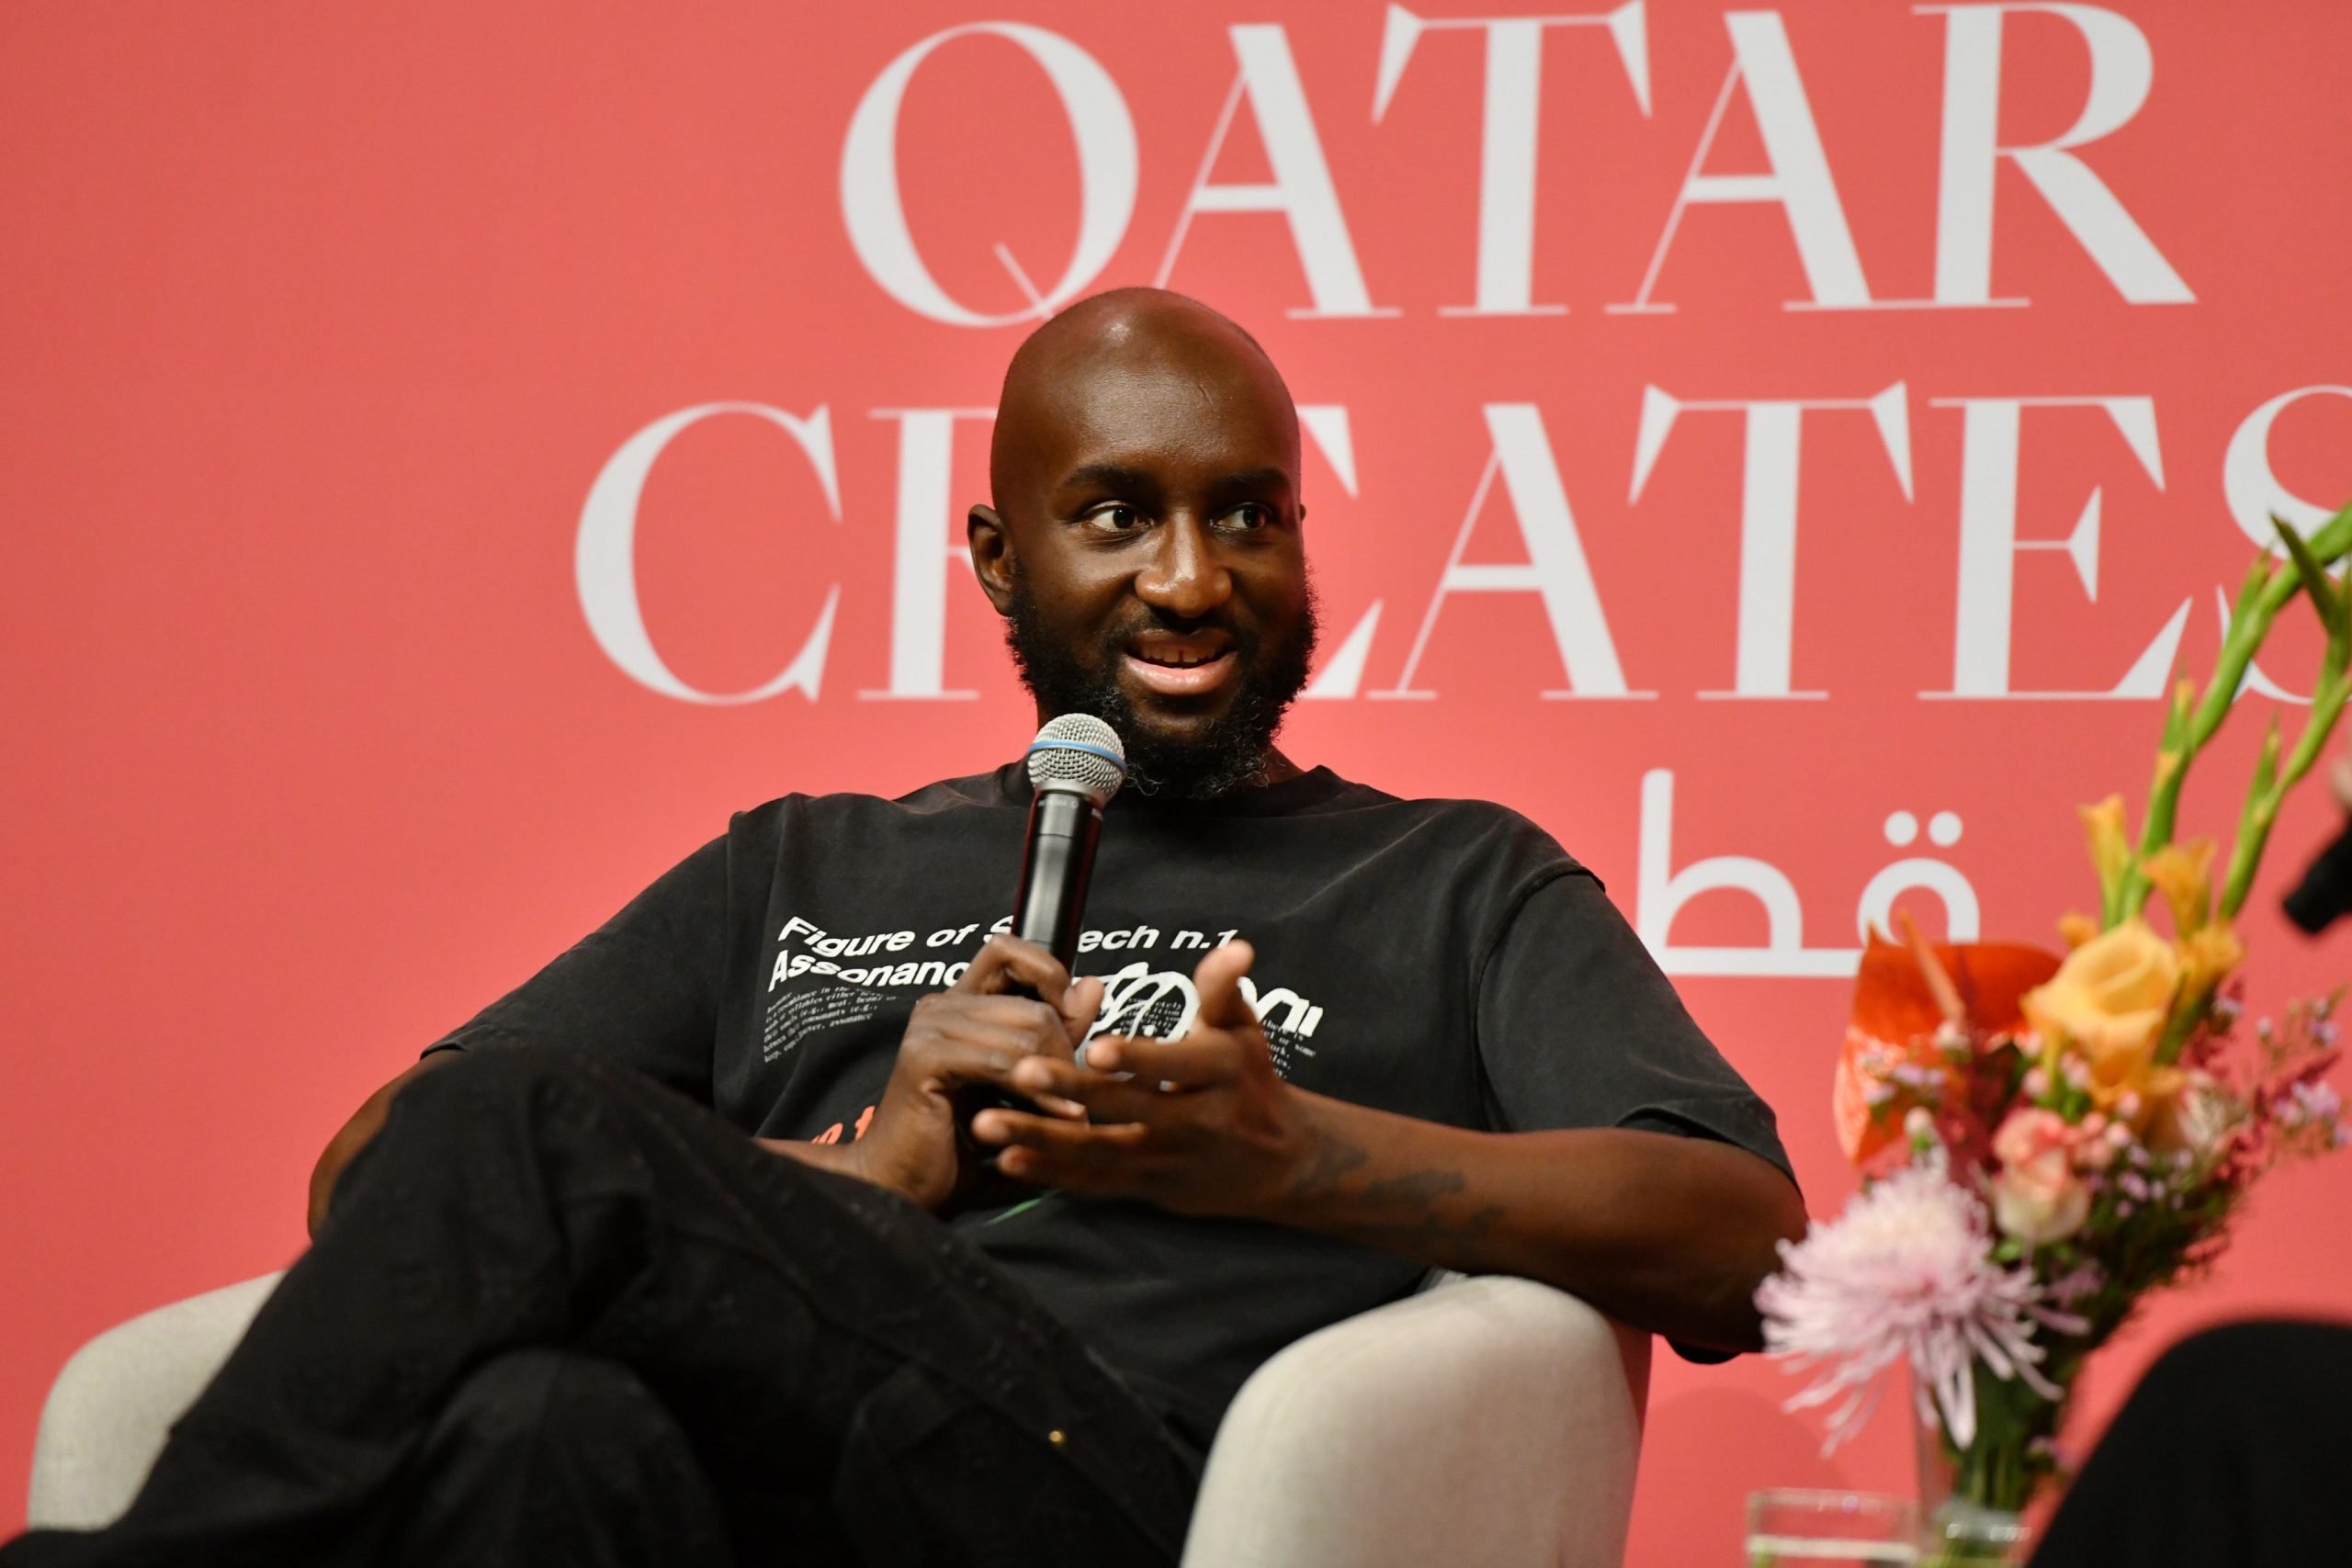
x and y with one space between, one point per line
1080 754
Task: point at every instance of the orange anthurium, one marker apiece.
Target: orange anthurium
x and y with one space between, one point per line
1897 1011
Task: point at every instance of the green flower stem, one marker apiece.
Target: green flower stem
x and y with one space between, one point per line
2269 586
1998 1473
2271 782
2265 794
2121 898
2254 821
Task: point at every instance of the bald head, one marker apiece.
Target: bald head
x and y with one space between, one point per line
1145 542
1066 373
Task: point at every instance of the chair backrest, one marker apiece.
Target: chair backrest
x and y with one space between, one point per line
110 1408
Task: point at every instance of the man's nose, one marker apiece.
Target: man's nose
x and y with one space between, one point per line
1185 575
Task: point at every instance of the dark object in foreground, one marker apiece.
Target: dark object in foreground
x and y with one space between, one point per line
2326 891
2230 1450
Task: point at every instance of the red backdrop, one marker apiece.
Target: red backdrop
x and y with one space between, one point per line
1820 413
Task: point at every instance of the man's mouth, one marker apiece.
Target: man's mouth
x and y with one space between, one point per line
1182 666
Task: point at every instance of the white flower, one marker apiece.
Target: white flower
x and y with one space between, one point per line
2202 1117
1905 1273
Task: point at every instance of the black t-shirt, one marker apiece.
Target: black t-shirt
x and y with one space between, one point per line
1443 959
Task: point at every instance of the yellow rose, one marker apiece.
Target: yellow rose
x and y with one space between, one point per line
2184 875
2109 1000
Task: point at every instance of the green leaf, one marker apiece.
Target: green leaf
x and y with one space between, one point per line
2325 597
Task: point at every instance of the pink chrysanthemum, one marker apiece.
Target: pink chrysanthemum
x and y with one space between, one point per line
1905 1273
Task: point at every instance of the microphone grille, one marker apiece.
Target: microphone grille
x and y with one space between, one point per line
1081 753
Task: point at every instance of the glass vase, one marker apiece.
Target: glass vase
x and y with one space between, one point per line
1975 1498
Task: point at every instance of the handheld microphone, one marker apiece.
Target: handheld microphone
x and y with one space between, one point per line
1076 765
2326 891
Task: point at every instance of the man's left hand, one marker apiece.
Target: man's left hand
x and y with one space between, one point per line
1199 1126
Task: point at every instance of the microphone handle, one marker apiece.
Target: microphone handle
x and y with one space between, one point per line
1063 829
1055 870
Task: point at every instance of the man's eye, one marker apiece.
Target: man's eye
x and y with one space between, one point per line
1115 519
1249 517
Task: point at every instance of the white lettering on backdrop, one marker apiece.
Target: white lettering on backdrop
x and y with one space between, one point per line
1768 515
1555 568
604 555
2256 497
927 545
1799 182
1763 61
2253 488
1989 545
1301 189
1507 141
2122 66
875 216
1661 891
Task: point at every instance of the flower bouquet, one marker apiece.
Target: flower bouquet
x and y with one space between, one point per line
2045 1139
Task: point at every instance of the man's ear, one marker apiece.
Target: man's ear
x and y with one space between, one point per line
991 546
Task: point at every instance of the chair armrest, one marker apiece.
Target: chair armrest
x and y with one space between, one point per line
1491 1420
109 1410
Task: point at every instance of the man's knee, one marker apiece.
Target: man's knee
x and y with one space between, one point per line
510 1091
522 1397
567 1455
502 1075
496 1121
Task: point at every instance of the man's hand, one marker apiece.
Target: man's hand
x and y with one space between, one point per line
973 1038
358 1133
1203 1126
1667 1232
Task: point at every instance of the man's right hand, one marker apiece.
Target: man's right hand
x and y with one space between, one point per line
962 1041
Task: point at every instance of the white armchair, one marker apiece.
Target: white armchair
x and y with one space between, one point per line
1490 1420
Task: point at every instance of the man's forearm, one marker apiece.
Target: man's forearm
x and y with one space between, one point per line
842 1160
1666 1233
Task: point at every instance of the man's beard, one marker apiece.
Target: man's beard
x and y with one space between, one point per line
1236 749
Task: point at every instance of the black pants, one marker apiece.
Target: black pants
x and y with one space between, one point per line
562 1316
2231 1453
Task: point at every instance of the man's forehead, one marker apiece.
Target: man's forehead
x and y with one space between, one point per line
1139 378
1152 416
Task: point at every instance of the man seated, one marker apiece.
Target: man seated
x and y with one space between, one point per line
778 1222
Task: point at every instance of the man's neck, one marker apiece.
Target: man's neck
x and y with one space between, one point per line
1279 767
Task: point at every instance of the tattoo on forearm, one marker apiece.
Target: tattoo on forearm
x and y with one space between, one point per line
1414 1197
1427 1230
1415 1187
1333 1160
